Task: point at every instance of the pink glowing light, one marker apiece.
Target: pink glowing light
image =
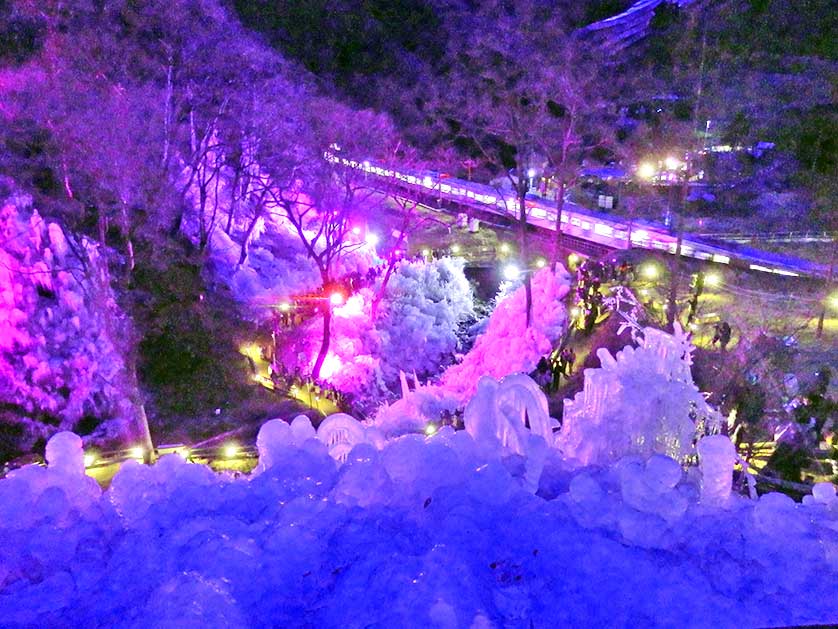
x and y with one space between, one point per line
331 365
337 298
353 308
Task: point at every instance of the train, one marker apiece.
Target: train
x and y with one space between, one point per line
608 230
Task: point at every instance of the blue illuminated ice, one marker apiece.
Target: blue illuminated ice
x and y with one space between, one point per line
491 526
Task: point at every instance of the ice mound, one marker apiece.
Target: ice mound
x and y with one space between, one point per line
415 409
410 532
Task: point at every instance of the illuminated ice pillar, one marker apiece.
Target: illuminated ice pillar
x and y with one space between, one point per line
716 456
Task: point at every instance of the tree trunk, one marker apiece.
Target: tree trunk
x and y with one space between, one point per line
559 208
257 214
202 218
675 272
522 227
391 264
139 419
324 344
167 114
234 198
126 234
66 172
102 224
822 315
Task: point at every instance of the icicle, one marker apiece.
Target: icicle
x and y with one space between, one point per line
405 387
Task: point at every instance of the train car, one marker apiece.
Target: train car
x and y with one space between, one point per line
598 227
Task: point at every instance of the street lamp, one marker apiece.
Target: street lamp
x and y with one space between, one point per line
511 272
646 171
650 271
713 280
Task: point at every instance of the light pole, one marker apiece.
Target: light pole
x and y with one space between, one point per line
527 168
831 300
677 179
679 192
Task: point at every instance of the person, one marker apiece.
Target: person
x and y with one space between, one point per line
569 359
717 333
558 367
542 372
623 272
725 333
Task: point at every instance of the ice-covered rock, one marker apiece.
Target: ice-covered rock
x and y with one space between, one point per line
824 493
62 337
65 453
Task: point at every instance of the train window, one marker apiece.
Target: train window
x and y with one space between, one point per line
575 221
604 230
586 225
721 258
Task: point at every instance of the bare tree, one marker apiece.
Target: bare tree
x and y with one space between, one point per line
511 96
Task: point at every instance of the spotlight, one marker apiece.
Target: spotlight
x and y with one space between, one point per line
511 272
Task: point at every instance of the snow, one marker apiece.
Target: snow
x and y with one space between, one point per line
413 531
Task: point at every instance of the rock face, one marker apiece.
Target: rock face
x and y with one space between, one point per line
61 338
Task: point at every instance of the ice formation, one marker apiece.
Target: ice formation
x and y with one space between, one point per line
716 456
61 336
432 531
642 401
508 346
415 330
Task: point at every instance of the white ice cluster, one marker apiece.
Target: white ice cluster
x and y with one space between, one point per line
424 305
642 401
60 333
276 265
411 532
415 329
